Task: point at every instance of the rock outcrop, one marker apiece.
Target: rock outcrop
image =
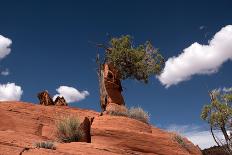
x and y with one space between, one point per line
45 99
24 124
60 101
110 87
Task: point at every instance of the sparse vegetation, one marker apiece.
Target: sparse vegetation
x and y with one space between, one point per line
45 145
180 140
139 114
67 129
134 112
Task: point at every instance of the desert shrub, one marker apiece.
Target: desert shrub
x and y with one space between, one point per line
46 145
67 129
138 114
134 112
118 113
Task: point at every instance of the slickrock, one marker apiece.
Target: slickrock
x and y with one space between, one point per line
24 124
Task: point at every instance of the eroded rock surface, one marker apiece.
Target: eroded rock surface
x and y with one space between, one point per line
24 124
60 101
45 99
110 87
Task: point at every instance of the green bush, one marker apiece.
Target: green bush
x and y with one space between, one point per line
45 145
134 113
67 129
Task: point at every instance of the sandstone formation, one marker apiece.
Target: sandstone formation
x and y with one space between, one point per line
24 124
110 87
45 98
60 101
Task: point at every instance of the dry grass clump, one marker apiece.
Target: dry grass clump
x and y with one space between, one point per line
45 145
68 129
138 114
134 113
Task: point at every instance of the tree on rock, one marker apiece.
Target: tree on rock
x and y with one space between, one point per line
123 60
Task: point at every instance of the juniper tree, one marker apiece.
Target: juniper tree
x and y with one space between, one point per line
218 114
131 61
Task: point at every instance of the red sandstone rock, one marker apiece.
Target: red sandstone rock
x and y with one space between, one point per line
110 87
60 101
45 98
24 124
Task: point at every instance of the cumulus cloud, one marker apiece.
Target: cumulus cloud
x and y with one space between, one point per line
71 94
10 92
199 59
196 134
4 46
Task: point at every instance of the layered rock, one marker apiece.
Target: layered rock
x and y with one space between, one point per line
110 87
24 124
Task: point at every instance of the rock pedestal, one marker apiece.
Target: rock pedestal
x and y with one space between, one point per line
110 87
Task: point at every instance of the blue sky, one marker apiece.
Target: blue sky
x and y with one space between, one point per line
50 48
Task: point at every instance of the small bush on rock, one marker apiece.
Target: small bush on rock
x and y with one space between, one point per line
139 114
45 145
134 113
68 129
180 140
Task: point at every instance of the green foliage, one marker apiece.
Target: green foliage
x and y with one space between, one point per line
134 113
219 111
134 62
219 115
45 145
67 129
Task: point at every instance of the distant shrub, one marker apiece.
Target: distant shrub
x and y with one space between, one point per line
45 145
134 113
67 129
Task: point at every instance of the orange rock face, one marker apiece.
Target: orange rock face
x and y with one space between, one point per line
24 124
110 91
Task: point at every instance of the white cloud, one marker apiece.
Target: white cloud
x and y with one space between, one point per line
196 134
5 72
71 94
10 92
199 59
4 46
